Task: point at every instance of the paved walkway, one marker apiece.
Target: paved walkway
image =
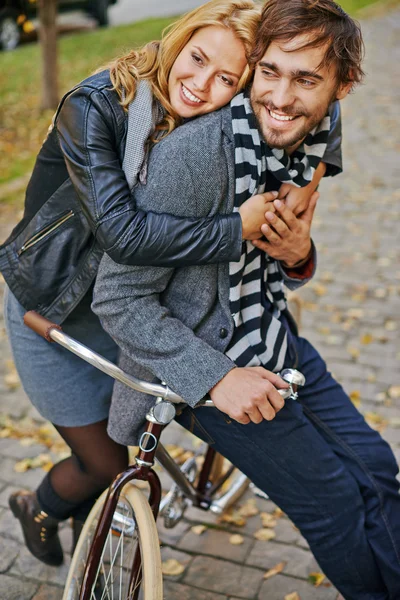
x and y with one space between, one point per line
351 313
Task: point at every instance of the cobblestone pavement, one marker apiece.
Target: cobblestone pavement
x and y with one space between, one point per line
351 313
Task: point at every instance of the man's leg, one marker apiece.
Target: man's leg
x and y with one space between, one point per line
364 454
290 460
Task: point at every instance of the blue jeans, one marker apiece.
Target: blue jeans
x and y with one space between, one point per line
330 473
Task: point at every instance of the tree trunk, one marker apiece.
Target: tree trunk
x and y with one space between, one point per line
47 12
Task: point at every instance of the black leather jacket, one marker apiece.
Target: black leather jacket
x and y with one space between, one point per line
78 206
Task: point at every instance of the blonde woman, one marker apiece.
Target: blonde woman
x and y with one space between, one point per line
80 204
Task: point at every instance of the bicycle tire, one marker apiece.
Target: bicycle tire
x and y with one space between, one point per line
152 587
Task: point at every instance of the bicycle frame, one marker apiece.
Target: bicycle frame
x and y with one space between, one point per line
160 415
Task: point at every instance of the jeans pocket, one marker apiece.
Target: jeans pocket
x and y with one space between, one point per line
196 428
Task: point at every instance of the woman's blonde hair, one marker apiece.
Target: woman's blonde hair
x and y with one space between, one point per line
155 60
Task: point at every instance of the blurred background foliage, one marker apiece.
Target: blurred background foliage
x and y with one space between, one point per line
23 126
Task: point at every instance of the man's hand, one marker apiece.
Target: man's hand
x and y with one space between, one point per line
287 236
252 213
249 394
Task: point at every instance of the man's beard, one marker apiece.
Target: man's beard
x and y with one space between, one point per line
282 140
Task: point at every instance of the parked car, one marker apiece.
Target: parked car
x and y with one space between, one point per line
15 16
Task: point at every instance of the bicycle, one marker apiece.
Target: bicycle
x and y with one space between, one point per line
118 552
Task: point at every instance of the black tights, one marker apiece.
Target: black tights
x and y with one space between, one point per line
72 485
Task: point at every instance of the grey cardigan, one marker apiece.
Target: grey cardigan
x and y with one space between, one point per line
174 324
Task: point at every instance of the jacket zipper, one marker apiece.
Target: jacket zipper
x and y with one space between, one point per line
40 235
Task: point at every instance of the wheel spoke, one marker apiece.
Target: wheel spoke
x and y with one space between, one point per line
118 574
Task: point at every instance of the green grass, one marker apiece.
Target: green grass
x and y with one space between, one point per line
23 126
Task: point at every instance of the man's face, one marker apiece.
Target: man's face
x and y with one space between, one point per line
290 93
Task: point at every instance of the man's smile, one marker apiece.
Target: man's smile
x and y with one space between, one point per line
279 117
279 120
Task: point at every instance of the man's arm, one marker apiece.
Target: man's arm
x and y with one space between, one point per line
127 301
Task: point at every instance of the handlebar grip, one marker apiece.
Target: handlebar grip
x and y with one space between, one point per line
40 324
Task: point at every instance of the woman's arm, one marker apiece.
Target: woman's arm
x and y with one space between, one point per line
297 199
88 126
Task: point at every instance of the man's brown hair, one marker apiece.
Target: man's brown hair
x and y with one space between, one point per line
325 22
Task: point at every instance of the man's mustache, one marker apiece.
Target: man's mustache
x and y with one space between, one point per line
288 112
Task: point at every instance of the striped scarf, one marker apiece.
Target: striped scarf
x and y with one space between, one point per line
256 284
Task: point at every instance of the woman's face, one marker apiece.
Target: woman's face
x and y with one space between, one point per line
206 73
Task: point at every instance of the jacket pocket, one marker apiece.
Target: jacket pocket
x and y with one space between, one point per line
45 231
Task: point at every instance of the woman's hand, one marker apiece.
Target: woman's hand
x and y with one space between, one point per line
298 199
287 237
252 213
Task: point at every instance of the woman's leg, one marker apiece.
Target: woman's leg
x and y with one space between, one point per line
72 485
69 489
76 396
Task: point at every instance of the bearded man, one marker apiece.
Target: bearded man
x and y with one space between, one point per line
225 329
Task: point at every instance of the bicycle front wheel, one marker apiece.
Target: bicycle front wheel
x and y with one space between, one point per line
132 527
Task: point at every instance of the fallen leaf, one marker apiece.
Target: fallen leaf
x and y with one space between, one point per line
391 325
42 460
197 442
278 513
264 535
275 570
11 378
316 578
327 277
174 451
394 392
182 458
353 351
355 313
355 397
375 421
249 508
236 540
373 417
366 339
358 298
198 529
28 441
292 596
333 340
172 567
233 518
267 520
380 293
319 289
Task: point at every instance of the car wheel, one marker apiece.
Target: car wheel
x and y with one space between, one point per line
99 10
10 34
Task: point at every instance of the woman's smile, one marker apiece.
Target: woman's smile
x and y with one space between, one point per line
206 74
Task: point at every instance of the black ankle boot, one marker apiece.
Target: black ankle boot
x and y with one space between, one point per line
39 529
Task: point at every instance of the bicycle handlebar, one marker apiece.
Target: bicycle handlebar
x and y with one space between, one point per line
40 325
54 333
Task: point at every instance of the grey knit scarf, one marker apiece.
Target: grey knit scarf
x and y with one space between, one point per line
144 114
